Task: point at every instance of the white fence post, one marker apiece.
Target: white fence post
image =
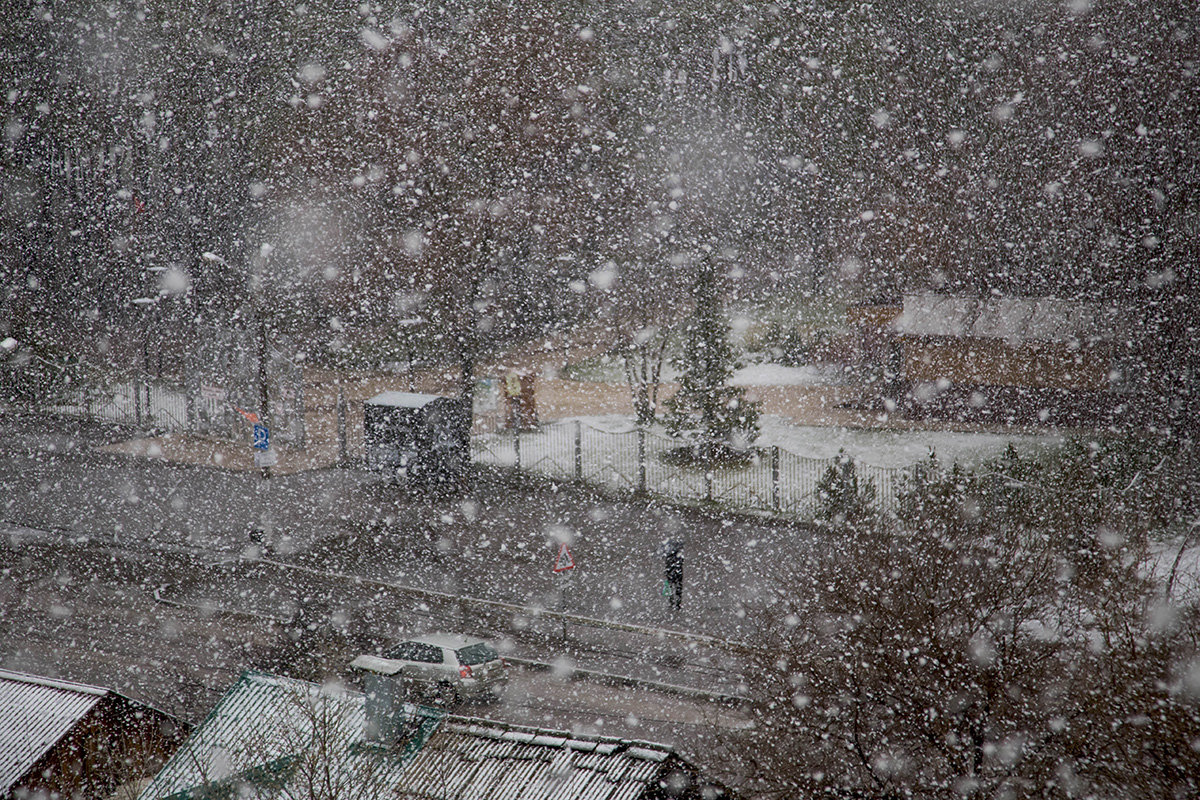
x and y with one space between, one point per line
776 492
303 438
343 456
641 441
578 450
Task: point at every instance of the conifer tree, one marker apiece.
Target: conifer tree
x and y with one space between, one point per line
706 405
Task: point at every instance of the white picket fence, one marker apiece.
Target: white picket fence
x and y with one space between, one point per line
637 460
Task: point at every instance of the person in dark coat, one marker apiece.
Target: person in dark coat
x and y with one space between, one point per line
673 572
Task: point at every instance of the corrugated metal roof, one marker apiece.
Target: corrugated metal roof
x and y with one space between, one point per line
34 714
268 720
1012 319
485 760
259 732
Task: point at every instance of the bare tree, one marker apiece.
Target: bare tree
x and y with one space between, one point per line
956 655
307 744
644 358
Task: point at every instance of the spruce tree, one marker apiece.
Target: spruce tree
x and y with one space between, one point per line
723 422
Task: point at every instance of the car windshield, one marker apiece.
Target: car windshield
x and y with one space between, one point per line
476 654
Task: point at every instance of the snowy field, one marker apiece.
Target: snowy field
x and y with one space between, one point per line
900 448
778 375
880 448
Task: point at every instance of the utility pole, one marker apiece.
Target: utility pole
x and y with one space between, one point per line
264 394
257 320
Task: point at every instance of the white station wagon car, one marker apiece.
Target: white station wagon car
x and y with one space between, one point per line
447 667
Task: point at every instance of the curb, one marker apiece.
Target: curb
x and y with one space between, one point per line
574 619
576 673
612 679
158 598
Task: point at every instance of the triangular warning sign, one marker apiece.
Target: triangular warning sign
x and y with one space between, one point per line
564 561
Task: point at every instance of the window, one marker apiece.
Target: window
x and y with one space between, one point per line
415 651
402 652
476 654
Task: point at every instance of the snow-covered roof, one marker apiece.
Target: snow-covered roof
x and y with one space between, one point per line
451 640
489 761
35 713
1012 319
258 727
403 399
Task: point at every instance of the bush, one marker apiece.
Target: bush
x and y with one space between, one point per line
1009 636
841 499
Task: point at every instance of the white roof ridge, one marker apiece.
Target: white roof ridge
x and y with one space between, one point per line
54 683
496 728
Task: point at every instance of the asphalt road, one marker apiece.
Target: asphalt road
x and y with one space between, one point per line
102 614
141 575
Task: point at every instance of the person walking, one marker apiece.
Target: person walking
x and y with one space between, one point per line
673 572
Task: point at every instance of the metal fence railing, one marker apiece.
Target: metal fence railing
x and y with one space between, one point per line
772 479
142 404
633 459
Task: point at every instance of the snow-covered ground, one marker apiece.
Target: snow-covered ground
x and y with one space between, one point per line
881 448
899 448
1167 558
778 375
608 369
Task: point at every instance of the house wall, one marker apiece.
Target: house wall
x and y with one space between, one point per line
875 340
993 362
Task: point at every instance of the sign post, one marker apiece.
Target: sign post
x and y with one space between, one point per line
565 561
264 457
216 394
563 564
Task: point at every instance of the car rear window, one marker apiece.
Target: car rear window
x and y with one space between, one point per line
402 652
476 654
416 651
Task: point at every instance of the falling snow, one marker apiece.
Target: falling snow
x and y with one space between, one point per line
800 396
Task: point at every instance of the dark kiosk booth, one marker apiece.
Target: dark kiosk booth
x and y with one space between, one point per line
422 437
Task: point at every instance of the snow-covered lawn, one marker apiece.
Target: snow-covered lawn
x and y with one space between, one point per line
777 375
880 448
608 451
900 448
609 369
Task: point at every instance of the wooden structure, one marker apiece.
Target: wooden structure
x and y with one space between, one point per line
1010 341
1012 357
520 402
64 739
877 355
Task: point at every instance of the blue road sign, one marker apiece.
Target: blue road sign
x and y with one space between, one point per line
262 437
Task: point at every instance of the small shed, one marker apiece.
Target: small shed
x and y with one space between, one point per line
64 739
425 437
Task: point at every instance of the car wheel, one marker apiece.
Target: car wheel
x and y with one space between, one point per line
446 695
